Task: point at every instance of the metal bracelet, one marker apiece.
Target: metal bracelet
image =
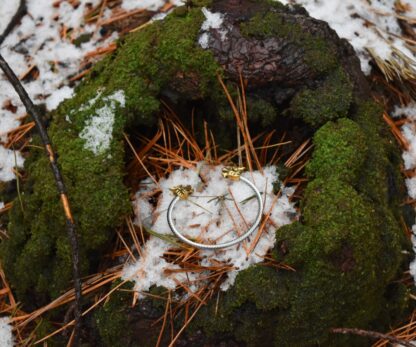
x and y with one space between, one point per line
183 192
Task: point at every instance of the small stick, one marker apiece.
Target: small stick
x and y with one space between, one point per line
372 334
70 224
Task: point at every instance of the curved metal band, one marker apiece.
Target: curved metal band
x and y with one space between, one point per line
225 244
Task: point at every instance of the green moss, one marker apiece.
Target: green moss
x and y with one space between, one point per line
163 58
147 65
346 249
200 3
37 257
346 252
256 293
112 318
44 328
383 162
319 54
82 39
340 149
382 156
259 283
261 112
336 282
121 325
329 101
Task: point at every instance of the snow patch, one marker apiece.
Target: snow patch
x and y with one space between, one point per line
37 42
7 10
151 5
408 111
212 21
409 133
6 335
366 26
56 98
209 218
9 160
98 130
409 157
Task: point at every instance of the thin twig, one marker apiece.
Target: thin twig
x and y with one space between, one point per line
371 334
70 224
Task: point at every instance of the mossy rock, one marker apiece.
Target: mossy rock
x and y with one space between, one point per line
329 101
340 149
346 249
37 257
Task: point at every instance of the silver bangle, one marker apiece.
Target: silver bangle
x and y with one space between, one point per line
183 192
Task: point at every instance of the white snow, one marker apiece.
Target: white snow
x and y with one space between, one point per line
207 219
98 130
151 5
9 160
37 42
212 21
8 122
408 111
366 26
409 158
6 335
159 16
90 102
56 98
409 133
7 10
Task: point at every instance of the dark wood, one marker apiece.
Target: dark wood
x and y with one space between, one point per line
70 225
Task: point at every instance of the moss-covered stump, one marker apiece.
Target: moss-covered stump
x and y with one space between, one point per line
346 252
301 79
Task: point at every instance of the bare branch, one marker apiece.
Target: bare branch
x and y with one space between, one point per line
70 225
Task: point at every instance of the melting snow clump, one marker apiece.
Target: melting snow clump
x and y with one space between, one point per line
409 132
98 130
6 335
56 98
151 5
409 158
212 21
8 161
216 212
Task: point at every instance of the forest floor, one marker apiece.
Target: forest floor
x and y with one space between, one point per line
55 44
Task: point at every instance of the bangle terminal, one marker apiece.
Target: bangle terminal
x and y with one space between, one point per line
183 192
233 172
